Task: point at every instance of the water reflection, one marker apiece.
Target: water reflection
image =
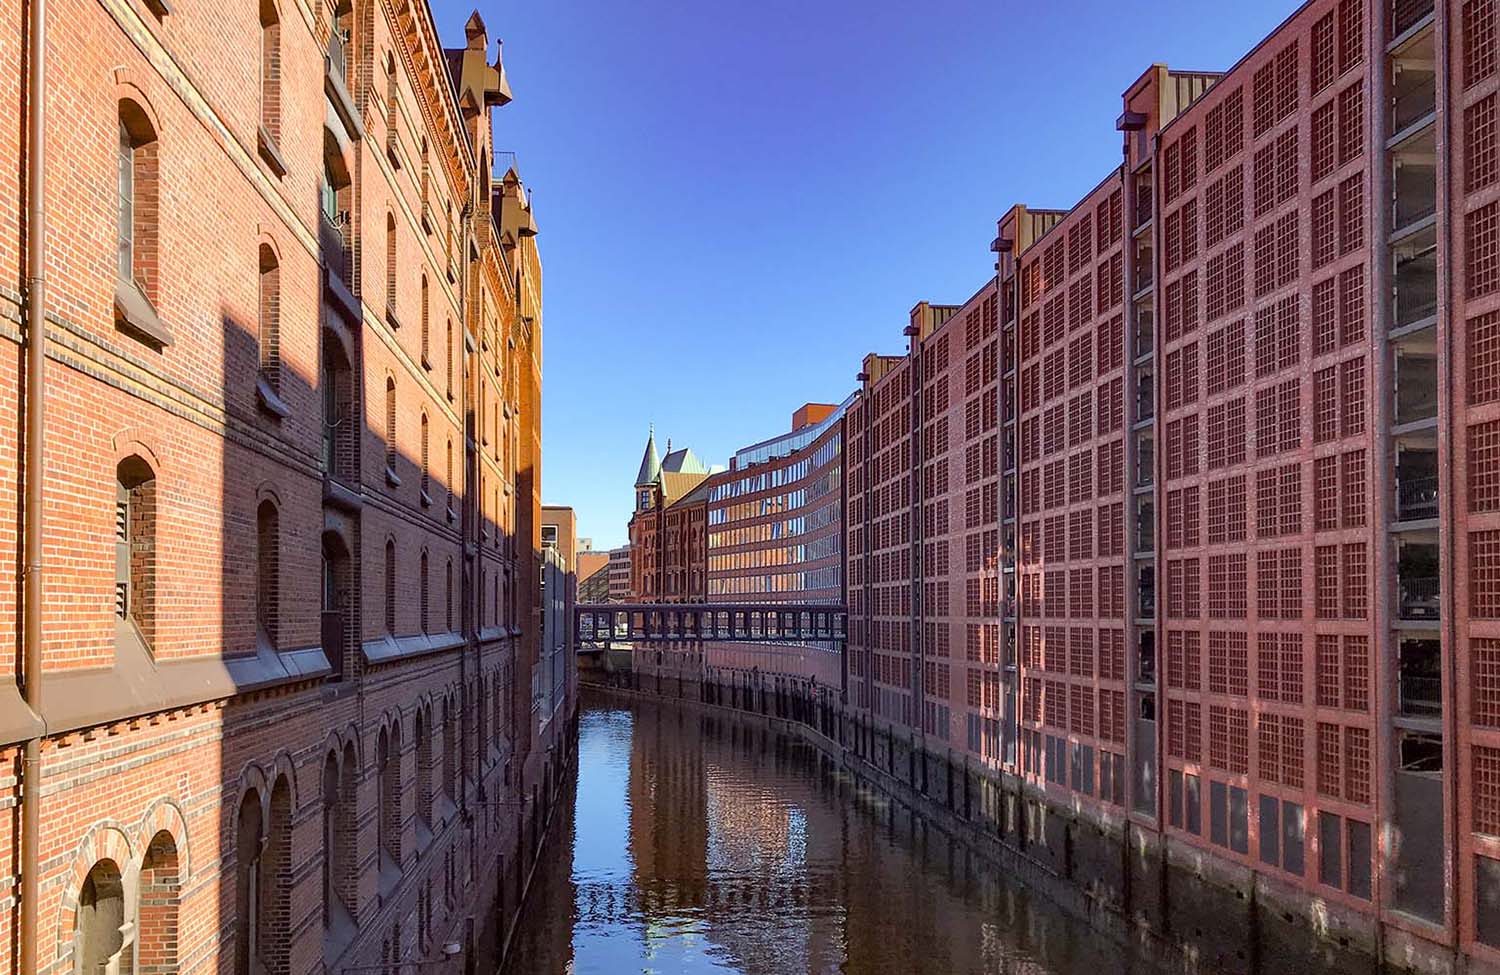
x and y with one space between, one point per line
700 844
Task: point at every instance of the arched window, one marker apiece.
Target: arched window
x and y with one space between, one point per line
390 426
267 573
137 290
423 734
135 551
330 836
270 319
449 367
448 597
160 889
422 582
390 586
426 326
270 72
449 476
426 473
99 926
390 270
450 749
249 834
388 755
337 631
340 436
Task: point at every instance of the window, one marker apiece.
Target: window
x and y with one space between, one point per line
388 799
270 320
448 597
135 552
267 566
99 926
339 836
137 288
426 471
390 429
390 586
270 76
426 329
449 463
422 582
448 353
424 767
156 908
391 258
450 750
262 853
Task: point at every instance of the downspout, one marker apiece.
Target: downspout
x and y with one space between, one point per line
36 363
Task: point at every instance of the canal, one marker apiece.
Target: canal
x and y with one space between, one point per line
698 842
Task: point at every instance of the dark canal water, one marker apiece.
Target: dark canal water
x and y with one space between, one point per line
697 843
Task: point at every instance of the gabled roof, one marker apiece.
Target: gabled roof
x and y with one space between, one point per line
683 461
676 485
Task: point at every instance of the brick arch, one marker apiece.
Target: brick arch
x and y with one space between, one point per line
131 442
252 779
165 815
284 767
129 86
106 839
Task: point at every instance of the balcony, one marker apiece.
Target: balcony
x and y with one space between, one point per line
1416 378
1413 180
1418 586
1145 524
1145 395
1145 658
1145 459
1145 607
1420 678
1413 83
1142 202
1144 267
1144 335
1416 477
1414 262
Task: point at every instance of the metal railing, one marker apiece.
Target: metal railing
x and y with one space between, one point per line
1421 694
1416 497
1413 100
1418 597
1416 287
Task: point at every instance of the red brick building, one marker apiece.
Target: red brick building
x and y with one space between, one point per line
1182 526
281 603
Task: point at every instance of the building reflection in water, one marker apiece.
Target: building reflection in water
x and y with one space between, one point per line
700 844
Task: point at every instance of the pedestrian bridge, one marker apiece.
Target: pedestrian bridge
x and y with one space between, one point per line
597 626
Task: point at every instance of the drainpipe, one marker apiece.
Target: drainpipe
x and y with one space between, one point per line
36 362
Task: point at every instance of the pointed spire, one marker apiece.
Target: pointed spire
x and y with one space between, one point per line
650 461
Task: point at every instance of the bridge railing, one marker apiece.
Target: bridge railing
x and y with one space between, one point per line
602 624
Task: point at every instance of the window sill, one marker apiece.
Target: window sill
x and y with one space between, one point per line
393 151
452 515
266 146
391 319
426 362
339 496
426 217
268 400
391 477
426 499
135 313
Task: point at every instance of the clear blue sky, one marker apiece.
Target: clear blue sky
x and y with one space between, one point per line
736 201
